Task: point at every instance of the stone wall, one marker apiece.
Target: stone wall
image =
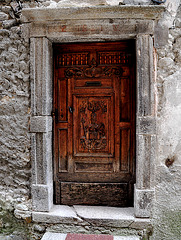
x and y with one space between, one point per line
15 170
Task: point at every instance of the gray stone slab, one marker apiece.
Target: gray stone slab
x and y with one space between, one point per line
144 53
106 216
54 14
57 214
42 197
54 236
160 35
92 27
41 76
143 202
146 155
40 124
146 125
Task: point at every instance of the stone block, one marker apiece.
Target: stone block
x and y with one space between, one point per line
54 236
57 214
40 124
143 202
3 16
42 198
9 23
136 2
145 164
144 53
68 30
41 76
146 125
160 35
41 155
106 216
76 13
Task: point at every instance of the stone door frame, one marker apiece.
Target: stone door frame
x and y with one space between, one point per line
47 26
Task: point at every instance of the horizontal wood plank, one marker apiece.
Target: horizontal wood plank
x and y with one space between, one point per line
111 194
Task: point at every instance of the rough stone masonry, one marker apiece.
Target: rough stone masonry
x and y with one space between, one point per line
15 111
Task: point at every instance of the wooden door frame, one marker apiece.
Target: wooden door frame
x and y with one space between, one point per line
41 37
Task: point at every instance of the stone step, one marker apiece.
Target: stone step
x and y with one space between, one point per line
74 236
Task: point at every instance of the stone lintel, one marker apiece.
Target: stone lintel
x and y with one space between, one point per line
42 197
143 202
121 28
40 124
146 125
77 13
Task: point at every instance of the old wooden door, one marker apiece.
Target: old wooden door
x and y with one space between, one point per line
94 123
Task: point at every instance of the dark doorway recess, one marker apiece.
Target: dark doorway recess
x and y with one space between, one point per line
94 123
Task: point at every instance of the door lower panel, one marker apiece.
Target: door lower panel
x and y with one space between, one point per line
111 194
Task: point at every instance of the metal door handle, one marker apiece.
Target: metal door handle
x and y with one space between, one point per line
71 109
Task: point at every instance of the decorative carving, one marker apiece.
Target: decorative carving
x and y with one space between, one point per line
70 72
109 71
93 71
110 58
70 59
94 132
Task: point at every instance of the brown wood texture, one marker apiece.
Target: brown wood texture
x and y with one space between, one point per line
112 194
94 123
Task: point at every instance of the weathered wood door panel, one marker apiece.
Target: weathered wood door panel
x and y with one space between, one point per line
94 123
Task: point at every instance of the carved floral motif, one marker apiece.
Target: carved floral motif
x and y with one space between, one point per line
93 71
94 136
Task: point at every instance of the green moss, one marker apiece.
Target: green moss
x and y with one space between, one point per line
9 224
168 225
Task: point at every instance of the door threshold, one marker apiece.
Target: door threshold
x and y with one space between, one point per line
95 215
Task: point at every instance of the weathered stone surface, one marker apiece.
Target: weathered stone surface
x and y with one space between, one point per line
53 14
146 153
42 197
41 76
57 214
94 28
54 236
146 125
9 23
106 216
143 200
41 124
145 88
3 16
160 35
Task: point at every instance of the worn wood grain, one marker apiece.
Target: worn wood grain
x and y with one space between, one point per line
94 124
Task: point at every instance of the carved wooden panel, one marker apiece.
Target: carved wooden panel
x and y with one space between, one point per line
62 149
94 123
70 59
113 58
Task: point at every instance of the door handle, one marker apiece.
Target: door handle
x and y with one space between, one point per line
71 109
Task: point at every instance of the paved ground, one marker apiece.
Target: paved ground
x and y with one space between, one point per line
72 236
